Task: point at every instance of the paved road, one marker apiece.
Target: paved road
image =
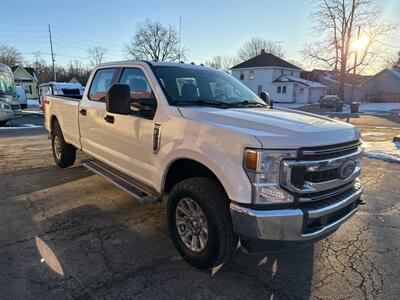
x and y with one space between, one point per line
66 233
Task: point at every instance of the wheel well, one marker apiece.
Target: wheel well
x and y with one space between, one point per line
53 122
186 168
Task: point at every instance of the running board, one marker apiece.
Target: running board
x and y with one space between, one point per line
120 181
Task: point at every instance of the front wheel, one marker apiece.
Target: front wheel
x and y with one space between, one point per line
199 222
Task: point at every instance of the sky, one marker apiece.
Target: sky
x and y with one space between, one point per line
209 28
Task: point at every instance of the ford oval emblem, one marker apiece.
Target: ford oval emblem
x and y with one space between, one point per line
347 169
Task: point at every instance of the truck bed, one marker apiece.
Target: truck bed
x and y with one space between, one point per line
65 110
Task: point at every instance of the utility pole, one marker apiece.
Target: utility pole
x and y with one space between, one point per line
52 55
180 33
355 64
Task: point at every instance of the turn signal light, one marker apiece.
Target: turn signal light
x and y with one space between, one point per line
251 160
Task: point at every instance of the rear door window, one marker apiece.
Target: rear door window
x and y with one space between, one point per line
101 83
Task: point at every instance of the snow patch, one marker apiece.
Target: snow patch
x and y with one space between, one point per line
386 151
23 126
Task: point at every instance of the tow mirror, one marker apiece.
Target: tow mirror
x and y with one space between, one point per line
117 99
144 107
265 97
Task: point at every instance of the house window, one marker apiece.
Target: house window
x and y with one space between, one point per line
281 71
301 91
284 90
251 75
30 89
279 89
241 76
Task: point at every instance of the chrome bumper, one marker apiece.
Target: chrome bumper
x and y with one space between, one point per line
292 224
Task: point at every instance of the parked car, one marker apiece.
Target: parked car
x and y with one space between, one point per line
7 90
72 90
21 95
229 165
329 101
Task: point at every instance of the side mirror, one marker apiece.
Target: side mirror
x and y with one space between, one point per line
145 107
118 99
265 97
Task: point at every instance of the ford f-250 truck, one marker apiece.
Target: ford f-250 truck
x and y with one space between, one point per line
230 166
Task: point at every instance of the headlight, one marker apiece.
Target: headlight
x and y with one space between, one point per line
263 169
5 106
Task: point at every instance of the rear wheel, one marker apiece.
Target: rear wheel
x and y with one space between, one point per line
2 123
200 223
64 154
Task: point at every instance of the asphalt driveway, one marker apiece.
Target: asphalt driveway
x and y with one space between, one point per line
66 233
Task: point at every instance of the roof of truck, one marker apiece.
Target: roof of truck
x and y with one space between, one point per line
155 63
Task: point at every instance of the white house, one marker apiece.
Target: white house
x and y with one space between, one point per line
281 79
383 86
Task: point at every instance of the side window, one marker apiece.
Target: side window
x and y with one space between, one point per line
140 87
100 84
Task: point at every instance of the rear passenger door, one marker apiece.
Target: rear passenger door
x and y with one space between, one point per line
92 111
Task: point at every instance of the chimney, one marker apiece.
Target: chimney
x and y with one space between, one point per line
262 51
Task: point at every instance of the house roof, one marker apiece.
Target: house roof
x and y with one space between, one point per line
394 72
265 60
286 78
30 70
317 74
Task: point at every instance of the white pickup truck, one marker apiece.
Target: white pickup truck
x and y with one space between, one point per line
230 166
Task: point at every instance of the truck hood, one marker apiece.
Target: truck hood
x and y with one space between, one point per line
276 128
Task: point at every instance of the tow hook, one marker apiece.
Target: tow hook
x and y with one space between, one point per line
361 202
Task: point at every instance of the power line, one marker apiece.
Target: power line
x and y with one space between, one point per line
388 45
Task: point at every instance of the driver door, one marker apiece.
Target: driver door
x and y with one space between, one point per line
130 137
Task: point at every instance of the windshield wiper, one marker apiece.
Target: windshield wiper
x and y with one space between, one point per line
204 103
247 103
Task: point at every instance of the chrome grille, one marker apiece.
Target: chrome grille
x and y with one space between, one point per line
315 153
319 171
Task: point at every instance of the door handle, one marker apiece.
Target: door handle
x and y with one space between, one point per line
109 119
82 111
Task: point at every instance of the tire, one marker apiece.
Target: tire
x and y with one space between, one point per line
221 241
2 123
64 154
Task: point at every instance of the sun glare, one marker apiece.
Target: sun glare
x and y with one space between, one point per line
360 44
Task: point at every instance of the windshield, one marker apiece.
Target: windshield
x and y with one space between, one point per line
7 83
204 86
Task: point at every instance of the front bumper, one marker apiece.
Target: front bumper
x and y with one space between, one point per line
305 223
6 115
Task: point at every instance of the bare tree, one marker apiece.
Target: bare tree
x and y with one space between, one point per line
254 46
336 23
96 55
42 69
222 62
154 41
10 55
393 61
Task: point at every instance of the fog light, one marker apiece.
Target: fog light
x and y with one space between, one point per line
272 194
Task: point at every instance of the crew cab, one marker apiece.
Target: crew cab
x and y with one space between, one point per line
229 165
